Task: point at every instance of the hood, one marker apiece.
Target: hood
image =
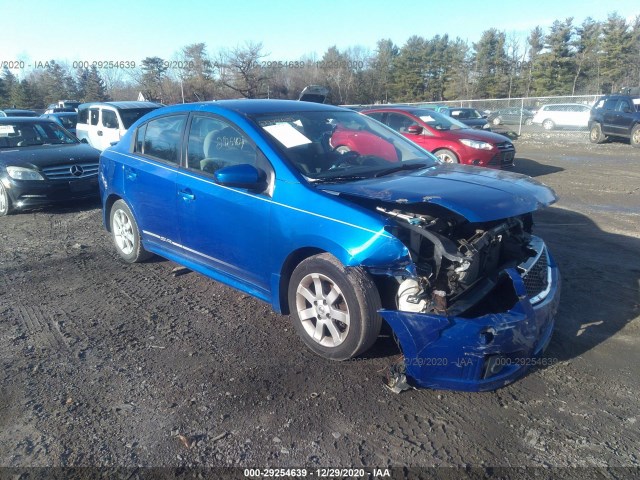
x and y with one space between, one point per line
480 135
474 122
42 156
478 194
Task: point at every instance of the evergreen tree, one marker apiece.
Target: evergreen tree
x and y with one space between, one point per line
587 67
617 54
409 79
490 65
555 69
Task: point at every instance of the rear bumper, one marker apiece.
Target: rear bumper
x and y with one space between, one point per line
477 354
26 194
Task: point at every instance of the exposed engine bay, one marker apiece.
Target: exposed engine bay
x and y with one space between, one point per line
456 262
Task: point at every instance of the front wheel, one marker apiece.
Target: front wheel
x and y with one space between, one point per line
126 235
496 121
334 308
528 121
635 136
5 202
595 134
447 156
548 124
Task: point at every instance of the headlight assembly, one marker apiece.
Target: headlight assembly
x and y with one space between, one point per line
476 144
21 173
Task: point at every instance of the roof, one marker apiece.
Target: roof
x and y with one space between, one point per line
16 120
59 114
255 106
122 105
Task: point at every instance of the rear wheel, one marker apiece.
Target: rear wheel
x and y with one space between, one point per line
528 121
635 136
333 307
447 156
5 202
126 235
548 124
496 121
595 134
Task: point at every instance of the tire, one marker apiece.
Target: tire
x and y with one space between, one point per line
334 308
496 121
635 136
595 134
548 124
446 156
5 202
528 121
125 234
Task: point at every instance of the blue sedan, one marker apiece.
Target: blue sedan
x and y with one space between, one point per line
332 217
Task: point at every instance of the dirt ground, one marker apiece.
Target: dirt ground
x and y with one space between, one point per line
114 365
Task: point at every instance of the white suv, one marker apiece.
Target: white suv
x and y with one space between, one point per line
562 115
102 123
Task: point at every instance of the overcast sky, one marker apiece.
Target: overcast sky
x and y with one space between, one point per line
117 30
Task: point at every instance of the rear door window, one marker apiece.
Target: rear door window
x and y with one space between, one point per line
162 138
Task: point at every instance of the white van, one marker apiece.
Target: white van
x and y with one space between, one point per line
102 123
562 115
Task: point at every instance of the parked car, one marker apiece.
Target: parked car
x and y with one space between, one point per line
18 112
42 163
616 116
447 138
67 120
511 116
253 194
102 123
562 115
469 116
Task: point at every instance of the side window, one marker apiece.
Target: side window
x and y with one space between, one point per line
400 123
162 138
83 116
610 104
376 116
109 119
93 116
139 145
622 104
213 143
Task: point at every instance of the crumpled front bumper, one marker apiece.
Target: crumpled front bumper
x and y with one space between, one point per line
477 354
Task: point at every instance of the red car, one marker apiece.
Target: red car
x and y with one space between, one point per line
447 138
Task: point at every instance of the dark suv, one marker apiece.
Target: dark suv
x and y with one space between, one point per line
616 115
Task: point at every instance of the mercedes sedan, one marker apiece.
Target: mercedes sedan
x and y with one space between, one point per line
42 163
336 219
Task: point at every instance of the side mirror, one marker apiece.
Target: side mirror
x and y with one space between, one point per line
484 115
627 110
414 129
242 176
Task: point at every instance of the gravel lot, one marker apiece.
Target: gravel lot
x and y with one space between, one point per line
139 365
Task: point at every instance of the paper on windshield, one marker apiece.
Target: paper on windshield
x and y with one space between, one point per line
426 118
6 130
286 134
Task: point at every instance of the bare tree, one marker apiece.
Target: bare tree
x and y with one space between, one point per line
240 70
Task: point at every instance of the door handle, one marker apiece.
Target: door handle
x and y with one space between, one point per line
99 133
187 194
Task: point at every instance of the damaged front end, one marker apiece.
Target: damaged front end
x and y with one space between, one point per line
476 308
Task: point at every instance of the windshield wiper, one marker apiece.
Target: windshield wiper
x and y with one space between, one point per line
411 166
340 178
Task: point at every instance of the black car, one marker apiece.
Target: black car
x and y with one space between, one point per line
469 116
616 116
41 163
511 116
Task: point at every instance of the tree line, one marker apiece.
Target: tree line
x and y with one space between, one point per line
593 57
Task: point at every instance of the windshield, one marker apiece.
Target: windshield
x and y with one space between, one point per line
130 115
68 121
23 134
465 113
439 121
339 146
